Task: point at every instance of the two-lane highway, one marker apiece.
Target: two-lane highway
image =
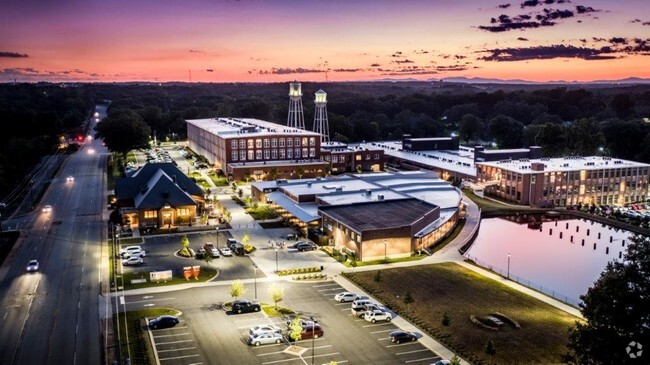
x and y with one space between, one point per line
51 316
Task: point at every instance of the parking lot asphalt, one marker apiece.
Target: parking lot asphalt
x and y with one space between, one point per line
176 345
220 337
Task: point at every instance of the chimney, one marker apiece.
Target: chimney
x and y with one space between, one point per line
368 192
309 184
380 197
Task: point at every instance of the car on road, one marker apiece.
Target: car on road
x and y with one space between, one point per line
346 296
402 336
305 246
225 251
245 306
133 261
69 178
265 338
164 321
32 265
47 208
264 328
377 315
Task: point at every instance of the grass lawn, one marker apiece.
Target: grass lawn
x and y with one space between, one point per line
459 292
272 311
137 344
205 274
262 212
219 180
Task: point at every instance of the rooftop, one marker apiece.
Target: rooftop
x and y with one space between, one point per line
523 166
236 127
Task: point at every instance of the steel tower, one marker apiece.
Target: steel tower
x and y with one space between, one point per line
321 125
296 118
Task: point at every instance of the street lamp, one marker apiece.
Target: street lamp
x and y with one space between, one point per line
508 266
255 268
217 229
313 328
276 260
385 252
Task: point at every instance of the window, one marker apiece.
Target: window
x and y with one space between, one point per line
312 141
296 142
357 157
251 143
335 159
274 143
281 142
305 152
242 144
258 143
267 154
327 157
150 214
258 154
296 153
234 155
367 156
233 144
312 152
251 155
289 142
282 154
304 141
274 154
289 153
183 211
376 156
242 155
267 143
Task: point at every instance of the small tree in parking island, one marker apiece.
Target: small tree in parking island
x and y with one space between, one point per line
207 257
185 247
245 240
408 299
455 360
277 294
237 289
378 276
295 330
490 349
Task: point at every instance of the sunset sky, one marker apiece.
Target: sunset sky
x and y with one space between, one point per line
335 40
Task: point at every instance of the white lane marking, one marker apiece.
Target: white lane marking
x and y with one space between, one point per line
411 352
424 359
178 357
148 305
150 300
390 330
169 343
403 344
332 284
180 349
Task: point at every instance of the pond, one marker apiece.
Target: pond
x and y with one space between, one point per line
561 256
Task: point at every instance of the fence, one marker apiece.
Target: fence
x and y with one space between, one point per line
527 283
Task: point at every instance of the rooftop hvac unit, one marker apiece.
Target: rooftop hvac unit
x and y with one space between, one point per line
380 197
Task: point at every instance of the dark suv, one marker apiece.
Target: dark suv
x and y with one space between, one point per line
402 336
245 306
164 321
305 246
310 332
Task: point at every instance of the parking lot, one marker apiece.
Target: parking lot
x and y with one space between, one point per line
346 339
176 345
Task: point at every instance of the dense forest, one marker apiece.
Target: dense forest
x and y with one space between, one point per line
564 119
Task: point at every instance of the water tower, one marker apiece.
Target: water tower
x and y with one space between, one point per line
296 119
321 125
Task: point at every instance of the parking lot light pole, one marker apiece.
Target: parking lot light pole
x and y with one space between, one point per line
255 268
508 266
385 251
313 328
217 229
276 260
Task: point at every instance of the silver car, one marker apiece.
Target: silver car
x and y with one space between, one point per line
265 338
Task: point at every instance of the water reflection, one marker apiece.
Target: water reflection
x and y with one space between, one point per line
561 256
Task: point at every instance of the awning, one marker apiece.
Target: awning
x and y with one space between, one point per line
292 207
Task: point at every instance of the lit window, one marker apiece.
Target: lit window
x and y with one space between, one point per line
304 141
251 155
305 152
258 143
251 143
358 157
151 214
312 141
184 211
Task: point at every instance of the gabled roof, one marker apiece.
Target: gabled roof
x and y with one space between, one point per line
129 187
161 190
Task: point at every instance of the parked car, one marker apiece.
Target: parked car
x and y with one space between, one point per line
225 251
346 296
441 362
311 331
164 321
306 246
264 328
200 253
47 208
377 315
292 236
402 336
210 249
132 261
231 242
359 303
361 311
132 251
32 265
265 338
245 306
303 322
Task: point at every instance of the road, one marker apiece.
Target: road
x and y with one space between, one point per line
51 316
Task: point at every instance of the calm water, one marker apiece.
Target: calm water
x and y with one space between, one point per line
540 256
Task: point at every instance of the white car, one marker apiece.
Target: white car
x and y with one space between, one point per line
346 296
264 328
225 251
265 338
32 266
47 208
133 260
359 303
377 315
130 251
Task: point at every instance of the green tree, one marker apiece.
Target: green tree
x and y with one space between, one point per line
122 131
185 247
207 257
237 289
455 360
446 321
615 310
469 127
507 131
300 171
490 349
273 173
246 238
295 329
276 291
378 276
408 299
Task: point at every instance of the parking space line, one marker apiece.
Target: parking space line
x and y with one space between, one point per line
268 353
411 352
340 303
330 289
375 324
338 362
382 331
150 300
176 334
330 284
424 359
168 343
283 360
178 357
323 355
403 344
383 339
181 349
